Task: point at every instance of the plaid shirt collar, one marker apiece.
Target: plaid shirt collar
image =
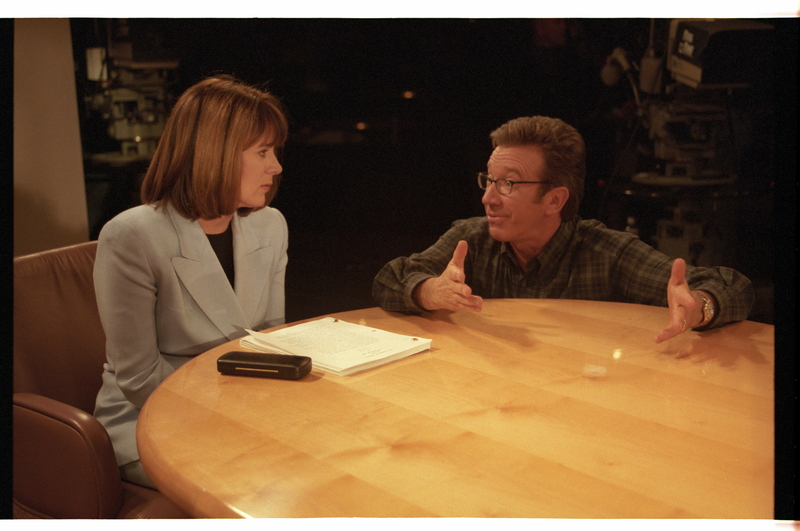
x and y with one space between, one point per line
546 263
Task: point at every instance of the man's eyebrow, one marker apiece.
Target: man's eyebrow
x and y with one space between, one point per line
510 170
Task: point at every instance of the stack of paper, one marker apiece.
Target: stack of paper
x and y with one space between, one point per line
337 346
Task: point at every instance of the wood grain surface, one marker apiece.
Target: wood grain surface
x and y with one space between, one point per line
531 408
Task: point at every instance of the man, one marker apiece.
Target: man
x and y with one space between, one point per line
531 243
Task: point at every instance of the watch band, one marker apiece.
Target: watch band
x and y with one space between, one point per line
708 311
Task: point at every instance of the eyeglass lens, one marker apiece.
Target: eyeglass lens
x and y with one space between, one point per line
503 186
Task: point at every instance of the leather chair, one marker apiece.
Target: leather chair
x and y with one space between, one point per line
63 461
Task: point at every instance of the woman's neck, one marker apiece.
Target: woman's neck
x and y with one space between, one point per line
215 226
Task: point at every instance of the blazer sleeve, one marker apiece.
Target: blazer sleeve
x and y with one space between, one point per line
125 285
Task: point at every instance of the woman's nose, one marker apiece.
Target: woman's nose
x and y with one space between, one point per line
273 167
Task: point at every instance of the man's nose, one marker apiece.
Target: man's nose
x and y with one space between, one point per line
490 195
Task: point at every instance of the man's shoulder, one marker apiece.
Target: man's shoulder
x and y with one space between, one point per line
594 233
472 226
589 225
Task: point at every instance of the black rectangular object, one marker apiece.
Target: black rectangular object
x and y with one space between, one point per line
264 365
724 52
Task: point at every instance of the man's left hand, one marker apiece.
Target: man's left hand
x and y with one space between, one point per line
685 310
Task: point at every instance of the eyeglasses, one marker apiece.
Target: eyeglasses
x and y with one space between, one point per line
504 186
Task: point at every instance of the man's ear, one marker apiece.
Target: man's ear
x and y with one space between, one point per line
556 199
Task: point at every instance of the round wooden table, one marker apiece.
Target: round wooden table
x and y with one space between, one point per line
531 408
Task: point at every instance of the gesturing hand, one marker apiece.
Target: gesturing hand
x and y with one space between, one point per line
682 304
448 291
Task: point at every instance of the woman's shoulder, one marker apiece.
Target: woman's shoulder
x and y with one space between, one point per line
141 214
139 219
266 217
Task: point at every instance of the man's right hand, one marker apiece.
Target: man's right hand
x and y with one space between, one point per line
448 291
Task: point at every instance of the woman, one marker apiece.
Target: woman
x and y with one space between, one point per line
200 260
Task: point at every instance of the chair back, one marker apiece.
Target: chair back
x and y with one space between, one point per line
59 344
64 464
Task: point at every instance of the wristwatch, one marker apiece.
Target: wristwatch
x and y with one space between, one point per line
708 311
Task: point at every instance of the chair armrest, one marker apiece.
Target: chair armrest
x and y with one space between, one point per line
141 502
64 464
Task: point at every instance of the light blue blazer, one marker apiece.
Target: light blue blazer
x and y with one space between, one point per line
163 298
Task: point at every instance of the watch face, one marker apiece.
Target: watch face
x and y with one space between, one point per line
708 310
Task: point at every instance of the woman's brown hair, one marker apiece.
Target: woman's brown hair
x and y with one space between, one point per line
196 167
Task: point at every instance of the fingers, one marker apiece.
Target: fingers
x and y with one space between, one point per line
678 275
664 335
455 269
671 331
453 294
679 295
463 299
679 300
472 303
442 293
677 325
460 254
448 291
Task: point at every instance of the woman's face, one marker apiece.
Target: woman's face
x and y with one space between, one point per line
259 167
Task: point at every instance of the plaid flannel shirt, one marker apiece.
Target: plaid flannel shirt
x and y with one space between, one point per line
584 260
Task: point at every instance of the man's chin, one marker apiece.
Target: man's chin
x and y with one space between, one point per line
497 233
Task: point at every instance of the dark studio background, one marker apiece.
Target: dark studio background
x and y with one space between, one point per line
355 198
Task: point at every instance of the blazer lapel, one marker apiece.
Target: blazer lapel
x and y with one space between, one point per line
202 275
252 262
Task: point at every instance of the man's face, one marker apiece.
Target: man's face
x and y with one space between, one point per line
517 217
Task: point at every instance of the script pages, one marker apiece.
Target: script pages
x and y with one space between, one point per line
337 346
